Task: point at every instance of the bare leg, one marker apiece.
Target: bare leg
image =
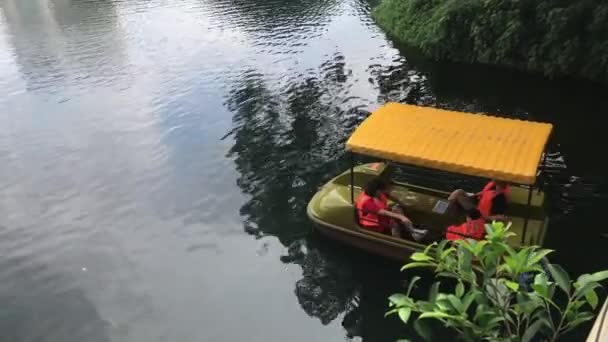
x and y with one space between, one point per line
399 229
396 229
459 196
460 200
402 230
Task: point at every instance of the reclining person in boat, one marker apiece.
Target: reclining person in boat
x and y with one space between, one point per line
377 215
473 228
491 201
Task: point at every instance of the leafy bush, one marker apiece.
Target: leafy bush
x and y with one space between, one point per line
555 37
501 294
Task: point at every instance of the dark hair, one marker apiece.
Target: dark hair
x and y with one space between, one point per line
375 185
474 214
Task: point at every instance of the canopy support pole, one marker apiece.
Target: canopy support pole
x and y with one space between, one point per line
352 178
541 168
525 231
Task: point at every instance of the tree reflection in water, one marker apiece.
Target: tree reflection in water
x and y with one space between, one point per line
285 144
287 141
277 19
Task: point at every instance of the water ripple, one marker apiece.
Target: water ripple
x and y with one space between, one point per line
142 139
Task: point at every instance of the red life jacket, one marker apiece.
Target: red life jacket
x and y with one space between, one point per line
474 229
371 220
487 196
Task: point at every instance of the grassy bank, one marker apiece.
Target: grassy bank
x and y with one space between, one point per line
555 37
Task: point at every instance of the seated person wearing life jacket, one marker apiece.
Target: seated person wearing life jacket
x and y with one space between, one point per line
491 201
473 228
377 215
374 211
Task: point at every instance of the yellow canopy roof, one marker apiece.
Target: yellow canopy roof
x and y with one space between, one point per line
471 144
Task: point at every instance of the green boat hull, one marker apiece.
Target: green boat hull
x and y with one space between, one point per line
332 211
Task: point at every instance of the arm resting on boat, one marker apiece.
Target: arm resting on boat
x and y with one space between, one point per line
396 200
397 216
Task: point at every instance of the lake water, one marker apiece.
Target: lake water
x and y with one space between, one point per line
156 158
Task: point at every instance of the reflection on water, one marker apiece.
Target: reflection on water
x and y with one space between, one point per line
38 304
140 140
62 42
285 143
275 21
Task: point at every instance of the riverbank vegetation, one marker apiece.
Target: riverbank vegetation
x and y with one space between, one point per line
554 37
500 294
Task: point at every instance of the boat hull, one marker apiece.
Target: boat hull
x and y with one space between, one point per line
333 213
369 241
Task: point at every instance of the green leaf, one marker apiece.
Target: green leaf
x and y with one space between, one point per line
537 288
440 248
592 299
483 314
433 292
465 264
468 299
446 252
468 244
494 321
428 248
447 275
497 292
560 276
599 276
456 303
442 304
522 259
527 304
582 280
532 331
479 247
580 318
538 256
581 291
421 257
459 289
489 270
403 340
411 285
540 285
511 265
506 248
399 299
423 305
546 321
551 291
390 312
490 230
423 329
540 289
435 314
415 265
404 314
512 285
577 304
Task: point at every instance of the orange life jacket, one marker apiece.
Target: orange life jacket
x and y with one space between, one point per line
370 220
474 229
487 196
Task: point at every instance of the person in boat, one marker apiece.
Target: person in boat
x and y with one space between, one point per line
376 214
491 201
473 228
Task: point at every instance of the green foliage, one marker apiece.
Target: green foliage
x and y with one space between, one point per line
501 293
555 37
